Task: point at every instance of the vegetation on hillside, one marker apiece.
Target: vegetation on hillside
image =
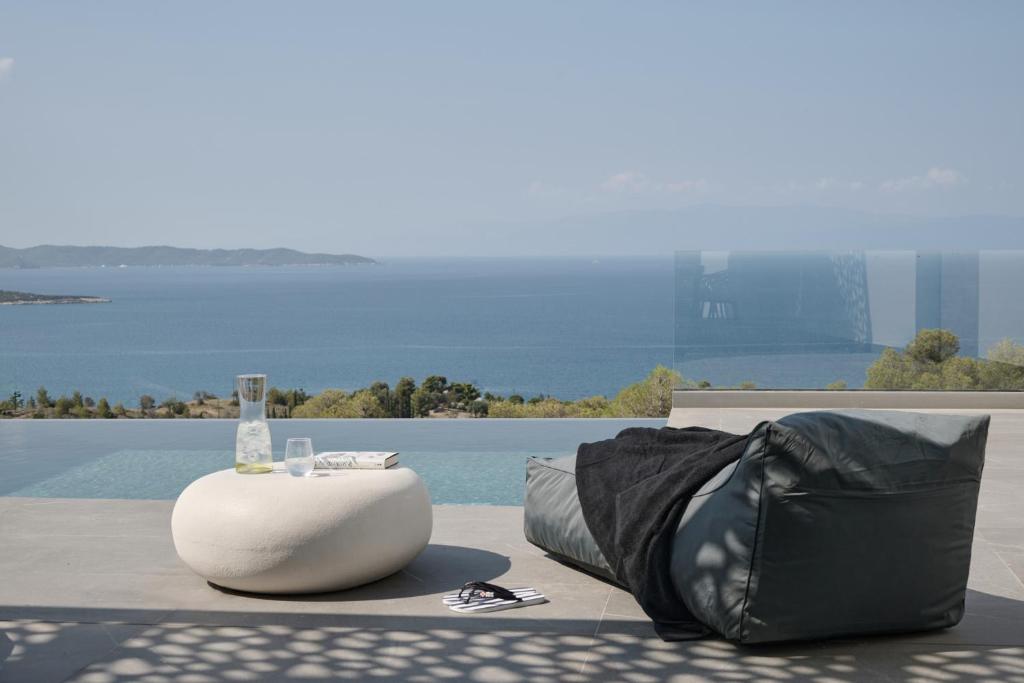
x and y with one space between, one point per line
651 397
929 362
435 397
43 405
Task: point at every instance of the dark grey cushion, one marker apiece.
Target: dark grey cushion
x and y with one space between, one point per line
831 523
553 517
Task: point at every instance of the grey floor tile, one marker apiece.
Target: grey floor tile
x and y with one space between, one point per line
805 663
46 651
93 590
1014 560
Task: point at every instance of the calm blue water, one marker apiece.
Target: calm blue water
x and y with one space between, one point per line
570 328
461 461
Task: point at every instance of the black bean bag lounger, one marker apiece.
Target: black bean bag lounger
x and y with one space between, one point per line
829 524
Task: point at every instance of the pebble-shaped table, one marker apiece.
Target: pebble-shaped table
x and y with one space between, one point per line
275 533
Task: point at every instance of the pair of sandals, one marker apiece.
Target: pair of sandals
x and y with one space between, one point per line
480 596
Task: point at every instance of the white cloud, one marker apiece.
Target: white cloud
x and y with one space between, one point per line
933 177
830 183
6 66
945 176
628 181
635 182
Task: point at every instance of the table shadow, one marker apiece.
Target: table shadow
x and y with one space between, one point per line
437 569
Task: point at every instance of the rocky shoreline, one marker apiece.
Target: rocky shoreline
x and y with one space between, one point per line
26 299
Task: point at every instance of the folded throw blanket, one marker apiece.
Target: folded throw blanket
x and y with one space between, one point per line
633 490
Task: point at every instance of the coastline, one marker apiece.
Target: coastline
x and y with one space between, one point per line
58 300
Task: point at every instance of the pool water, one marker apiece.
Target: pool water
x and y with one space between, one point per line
480 462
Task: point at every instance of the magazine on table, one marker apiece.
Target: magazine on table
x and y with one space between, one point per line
355 460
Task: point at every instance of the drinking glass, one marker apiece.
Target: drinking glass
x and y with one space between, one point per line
298 457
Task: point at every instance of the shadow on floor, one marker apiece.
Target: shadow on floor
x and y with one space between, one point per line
437 569
215 646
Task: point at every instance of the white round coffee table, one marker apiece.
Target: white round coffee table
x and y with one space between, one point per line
275 533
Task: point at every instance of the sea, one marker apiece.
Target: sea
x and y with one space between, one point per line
563 327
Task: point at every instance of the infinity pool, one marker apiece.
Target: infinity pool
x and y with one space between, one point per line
462 461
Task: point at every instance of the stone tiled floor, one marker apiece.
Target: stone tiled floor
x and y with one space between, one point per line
92 591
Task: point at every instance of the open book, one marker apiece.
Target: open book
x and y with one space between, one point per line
355 460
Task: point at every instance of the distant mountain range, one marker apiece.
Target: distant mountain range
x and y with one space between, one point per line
51 256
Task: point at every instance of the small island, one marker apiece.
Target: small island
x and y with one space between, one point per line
54 256
9 298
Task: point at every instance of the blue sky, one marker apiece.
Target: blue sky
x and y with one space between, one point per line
382 128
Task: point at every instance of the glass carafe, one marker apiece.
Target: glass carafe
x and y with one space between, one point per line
252 440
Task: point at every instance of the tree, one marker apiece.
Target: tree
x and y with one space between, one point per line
337 403
423 401
119 409
174 407
934 346
838 385
960 374
651 397
88 402
146 402
364 403
62 406
516 399
81 412
593 406
463 393
1004 370
295 397
891 371
478 408
76 398
43 399
1007 351
547 407
382 392
435 384
930 363
402 403
103 408
15 400
329 403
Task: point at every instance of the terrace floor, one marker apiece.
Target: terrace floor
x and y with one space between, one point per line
92 591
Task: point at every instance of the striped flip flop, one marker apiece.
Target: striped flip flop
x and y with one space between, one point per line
479 596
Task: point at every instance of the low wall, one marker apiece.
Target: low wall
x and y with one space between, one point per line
812 399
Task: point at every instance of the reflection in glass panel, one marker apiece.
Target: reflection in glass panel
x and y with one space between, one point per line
817 319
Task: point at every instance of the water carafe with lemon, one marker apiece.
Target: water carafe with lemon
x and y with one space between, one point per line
253 453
